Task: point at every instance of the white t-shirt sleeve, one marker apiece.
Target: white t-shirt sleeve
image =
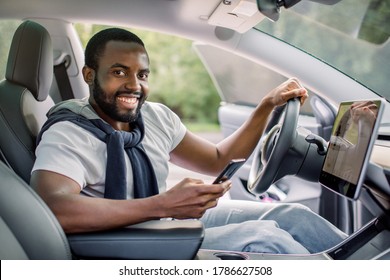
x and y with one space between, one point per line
70 150
162 123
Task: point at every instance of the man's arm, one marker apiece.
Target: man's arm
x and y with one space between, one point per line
202 156
78 213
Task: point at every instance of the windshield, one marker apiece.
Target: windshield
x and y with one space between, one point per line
352 36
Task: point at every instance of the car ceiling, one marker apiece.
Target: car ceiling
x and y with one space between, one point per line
182 17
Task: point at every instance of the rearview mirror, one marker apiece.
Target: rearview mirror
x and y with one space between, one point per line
271 8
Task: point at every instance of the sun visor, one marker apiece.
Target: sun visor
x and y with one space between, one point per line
238 15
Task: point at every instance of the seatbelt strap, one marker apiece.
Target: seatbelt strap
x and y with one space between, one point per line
4 159
63 82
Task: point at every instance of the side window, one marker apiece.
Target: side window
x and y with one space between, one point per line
239 80
7 30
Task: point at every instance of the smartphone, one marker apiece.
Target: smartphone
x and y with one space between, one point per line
229 170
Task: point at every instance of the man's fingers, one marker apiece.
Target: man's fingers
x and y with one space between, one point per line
300 93
215 188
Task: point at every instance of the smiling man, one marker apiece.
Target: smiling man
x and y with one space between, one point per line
102 162
119 105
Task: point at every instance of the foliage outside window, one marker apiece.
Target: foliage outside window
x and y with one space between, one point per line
7 30
178 78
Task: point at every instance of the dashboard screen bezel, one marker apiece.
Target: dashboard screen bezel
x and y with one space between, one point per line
342 185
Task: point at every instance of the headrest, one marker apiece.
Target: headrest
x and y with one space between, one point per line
30 60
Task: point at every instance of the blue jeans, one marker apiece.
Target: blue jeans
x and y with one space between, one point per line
249 226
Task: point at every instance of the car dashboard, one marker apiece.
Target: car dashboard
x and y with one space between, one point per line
371 237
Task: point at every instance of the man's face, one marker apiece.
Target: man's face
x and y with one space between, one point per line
109 105
120 85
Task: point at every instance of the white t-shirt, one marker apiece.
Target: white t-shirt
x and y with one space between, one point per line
72 151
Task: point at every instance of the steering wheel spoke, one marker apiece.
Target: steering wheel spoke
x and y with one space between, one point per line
266 163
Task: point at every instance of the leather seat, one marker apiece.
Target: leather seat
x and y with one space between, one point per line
24 96
28 229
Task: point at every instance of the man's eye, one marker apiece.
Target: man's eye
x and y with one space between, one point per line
143 76
119 73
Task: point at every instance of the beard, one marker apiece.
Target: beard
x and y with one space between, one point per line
109 106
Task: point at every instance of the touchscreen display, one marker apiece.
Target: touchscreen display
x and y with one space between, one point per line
349 149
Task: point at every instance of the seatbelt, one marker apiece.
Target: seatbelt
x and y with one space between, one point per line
4 159
63 82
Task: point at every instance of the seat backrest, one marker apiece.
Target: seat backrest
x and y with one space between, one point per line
28 229
24 95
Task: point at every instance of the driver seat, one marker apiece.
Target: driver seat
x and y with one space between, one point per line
28 229
24 96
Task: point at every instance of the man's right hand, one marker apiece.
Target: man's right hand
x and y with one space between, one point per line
79 213
191 198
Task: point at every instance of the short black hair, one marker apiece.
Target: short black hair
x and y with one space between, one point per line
97 43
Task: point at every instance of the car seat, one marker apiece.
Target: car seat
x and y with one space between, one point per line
24 96
28 229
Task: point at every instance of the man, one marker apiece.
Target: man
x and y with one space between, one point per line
76 155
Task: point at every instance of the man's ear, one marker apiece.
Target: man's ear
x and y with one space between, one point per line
89 75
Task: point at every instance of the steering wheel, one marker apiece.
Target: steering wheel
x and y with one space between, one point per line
277 141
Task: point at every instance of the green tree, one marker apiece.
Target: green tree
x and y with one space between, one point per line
7 30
